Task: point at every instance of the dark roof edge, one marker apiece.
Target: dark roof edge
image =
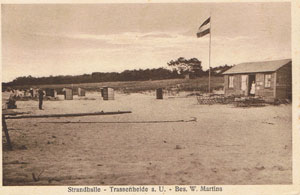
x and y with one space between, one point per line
250 72
290 61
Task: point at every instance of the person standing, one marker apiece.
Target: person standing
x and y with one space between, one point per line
252 91
41 96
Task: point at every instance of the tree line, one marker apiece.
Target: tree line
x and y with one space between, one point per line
177 69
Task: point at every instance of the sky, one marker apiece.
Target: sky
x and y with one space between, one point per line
69 39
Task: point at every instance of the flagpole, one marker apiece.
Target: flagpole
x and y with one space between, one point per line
209 53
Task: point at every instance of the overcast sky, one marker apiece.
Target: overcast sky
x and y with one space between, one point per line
43 40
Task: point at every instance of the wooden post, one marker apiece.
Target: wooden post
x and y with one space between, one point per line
4 127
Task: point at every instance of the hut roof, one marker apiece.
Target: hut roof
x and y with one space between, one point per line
253 67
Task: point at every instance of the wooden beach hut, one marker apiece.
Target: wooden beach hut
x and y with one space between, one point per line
68 93
268 79
108 93
50 92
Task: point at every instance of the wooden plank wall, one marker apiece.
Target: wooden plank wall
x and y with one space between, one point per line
260 85
261 90
281 84
284 82
225 83
237 83
68 94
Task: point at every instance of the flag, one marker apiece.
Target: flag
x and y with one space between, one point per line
204 29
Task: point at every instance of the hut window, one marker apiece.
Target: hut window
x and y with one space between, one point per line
230 83
268 80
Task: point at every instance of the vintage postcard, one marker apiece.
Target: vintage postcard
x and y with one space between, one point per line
143 97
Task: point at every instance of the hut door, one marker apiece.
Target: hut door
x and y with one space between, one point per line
244 85
251 85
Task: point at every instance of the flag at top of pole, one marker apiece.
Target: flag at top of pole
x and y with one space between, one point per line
204 29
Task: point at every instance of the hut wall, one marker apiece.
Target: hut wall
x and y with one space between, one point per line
226 84
261 90
237 83
284 82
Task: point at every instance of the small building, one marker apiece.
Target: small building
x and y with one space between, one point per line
159 93
50 92
81 92
268 79
108 93
68 93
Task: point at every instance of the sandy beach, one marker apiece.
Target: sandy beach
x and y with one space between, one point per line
158 143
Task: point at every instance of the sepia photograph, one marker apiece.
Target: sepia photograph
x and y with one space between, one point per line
147 94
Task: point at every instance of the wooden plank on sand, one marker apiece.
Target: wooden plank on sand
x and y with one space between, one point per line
67 115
